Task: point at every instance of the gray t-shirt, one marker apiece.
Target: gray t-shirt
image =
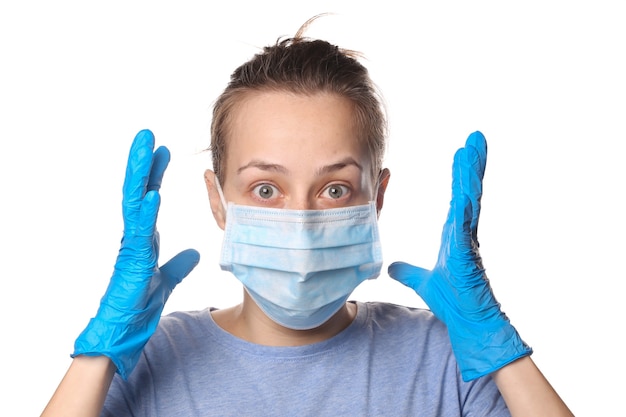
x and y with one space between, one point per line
390 361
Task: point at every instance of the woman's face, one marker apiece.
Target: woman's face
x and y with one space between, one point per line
296 151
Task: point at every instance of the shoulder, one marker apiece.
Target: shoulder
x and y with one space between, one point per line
186 317
182 327
388 315
179 336
408 325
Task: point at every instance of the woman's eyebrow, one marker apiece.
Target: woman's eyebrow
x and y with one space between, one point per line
326 169
264 166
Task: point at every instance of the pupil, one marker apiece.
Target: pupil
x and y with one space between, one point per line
266 192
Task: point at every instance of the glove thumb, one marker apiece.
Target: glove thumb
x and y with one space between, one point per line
409 275
177 268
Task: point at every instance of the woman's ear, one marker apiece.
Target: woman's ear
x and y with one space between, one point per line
383 181
217 208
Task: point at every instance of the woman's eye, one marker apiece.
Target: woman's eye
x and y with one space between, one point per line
265 191
336 191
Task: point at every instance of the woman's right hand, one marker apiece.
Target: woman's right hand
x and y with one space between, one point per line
132 305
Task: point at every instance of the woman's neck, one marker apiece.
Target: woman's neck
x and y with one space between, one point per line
248 322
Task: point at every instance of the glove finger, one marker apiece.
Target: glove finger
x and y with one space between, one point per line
177 268
137 173
160 160
472 186
461 229
478 142
140 249
457 187
473 164
149 211
407 274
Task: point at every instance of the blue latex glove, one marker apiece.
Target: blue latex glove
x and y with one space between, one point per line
457 289
132 305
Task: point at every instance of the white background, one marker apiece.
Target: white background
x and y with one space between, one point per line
543 80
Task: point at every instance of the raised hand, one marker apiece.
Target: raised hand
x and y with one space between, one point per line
457 289
132 305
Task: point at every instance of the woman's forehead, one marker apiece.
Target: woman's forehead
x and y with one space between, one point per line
282 125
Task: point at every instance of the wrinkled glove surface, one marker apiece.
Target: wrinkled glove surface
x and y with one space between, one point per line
132 305
457 289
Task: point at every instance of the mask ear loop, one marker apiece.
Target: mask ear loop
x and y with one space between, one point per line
377 190
221 193
377 187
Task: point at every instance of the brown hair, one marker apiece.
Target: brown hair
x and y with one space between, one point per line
304 66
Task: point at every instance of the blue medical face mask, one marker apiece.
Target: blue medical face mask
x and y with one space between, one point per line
300 266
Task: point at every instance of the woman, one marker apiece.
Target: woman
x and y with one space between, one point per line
297 184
